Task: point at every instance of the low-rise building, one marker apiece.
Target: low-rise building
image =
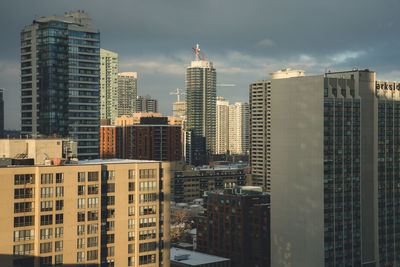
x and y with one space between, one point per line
186 258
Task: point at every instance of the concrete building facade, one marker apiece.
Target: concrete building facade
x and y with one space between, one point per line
146 104
111 212
109 94
222 126
60 86
239 128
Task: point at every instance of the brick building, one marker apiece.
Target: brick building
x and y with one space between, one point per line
236 225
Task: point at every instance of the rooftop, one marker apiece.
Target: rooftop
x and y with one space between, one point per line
193 258
114 161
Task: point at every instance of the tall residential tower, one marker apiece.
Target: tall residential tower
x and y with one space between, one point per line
60 80
201 96
108 85
127 91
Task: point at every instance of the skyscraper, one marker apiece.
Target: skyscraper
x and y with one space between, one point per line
239 127
335 172
127 91
1 113
60 80
201 96
222 126
109 94
260 127
146 104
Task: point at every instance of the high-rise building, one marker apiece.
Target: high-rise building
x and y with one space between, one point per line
127 88
179 111
260 127
222 126
335 170
60 80
146 104
110 212
1 112
201 96
236 226
239 127
109 94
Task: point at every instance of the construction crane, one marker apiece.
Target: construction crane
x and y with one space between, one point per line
178 93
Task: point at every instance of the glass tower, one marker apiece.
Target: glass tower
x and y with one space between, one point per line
60 80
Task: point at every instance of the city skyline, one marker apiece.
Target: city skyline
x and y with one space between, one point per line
158 46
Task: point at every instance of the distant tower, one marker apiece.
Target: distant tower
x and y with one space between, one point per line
127 90
146 104
239 128
222 126
1 113
201 106
108 85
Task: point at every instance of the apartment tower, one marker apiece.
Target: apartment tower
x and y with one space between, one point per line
113 213
60 57
239 126
127 88
222 126
109 94
146 104
201 96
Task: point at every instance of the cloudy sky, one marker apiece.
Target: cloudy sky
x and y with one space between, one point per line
246 40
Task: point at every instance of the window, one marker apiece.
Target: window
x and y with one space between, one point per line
81 216
131 186
111 175
110 238
131 248
92 255
81 230
92 228
147 173
81 190
23 207
46 178
146 259
46 247
131 199
144 247
93 215
46 192
23 193
24 235
131 260
59 204
46 205
58 245
131 236
146 210
81 203
131 211
93 189
110 200
58 259
131 223
111 188
81 177
45 261
110 213
92 242
59 191
110 225
131 174
93 176
46 219
46 233
110 251
143 198
147 186
80 243
93 202
24 249
147 222
59 218
59 178
22 179
80 256
59 232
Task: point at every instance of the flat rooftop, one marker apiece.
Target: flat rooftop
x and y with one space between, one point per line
113 161
193 258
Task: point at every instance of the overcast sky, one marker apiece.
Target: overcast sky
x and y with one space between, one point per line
246 40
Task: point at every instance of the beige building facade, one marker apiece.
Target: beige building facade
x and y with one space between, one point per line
110 212
109 94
